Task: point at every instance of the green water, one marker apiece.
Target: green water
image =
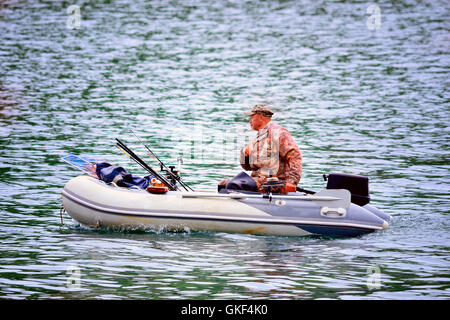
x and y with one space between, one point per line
181 73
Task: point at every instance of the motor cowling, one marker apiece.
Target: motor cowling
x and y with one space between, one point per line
357 185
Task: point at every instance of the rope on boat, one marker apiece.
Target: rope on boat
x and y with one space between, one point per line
61 210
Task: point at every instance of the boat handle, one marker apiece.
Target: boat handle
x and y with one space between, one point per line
333 212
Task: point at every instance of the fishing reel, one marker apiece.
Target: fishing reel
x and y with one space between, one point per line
273 185
172 174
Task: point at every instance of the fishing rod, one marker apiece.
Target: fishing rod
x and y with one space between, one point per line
124 152
128 153
138 160
174 176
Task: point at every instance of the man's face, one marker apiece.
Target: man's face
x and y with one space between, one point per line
257 121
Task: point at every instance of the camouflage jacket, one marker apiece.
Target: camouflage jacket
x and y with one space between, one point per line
273 149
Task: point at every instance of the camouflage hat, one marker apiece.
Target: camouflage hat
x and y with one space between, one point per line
260 108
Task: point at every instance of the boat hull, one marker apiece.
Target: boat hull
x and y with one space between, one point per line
93 203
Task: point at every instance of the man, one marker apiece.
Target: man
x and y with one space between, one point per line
272 152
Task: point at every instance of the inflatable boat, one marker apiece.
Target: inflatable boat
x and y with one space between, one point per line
330 212
109 197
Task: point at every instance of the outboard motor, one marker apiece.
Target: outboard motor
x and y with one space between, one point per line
357 185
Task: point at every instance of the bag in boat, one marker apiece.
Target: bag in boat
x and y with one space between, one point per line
109 173
242 181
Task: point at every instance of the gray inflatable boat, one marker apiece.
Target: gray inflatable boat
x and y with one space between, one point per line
340 210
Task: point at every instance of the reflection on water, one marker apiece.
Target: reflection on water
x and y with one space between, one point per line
357 101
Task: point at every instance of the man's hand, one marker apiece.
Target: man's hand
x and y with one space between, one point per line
291 187
246 151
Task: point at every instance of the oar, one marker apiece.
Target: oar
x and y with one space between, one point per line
305 191
336 198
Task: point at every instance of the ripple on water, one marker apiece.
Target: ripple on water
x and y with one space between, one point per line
363 102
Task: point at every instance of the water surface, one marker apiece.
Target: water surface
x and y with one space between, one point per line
181 73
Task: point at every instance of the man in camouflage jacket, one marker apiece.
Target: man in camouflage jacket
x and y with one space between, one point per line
272 151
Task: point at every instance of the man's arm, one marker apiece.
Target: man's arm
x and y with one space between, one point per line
294 173
293 156
244 158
